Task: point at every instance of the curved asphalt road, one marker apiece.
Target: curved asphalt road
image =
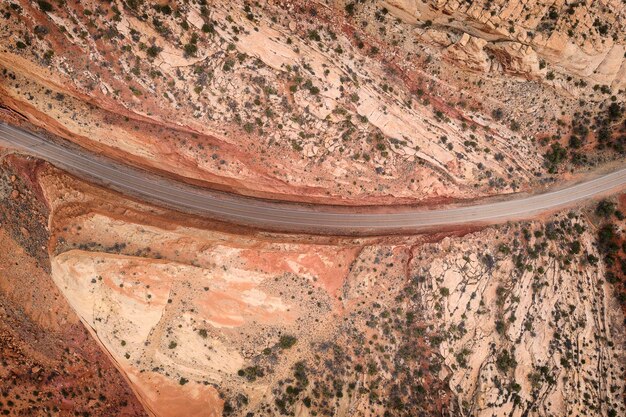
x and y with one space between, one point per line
291 217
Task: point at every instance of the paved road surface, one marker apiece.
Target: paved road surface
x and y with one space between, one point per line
292 217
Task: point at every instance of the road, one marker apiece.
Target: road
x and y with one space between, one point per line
292 217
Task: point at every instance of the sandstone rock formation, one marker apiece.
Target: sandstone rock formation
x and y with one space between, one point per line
583 39
353 107
508 320
49 363
347 102
537 334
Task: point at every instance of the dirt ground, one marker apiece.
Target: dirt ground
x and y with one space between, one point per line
49 363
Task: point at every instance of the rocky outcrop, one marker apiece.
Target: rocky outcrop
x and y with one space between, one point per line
290 108
514 58
509 320
584 40
343 102
530 326
469 52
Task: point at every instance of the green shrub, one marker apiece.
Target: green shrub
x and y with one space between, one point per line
251 373
605 208
45 6
190 49
287 341
554 157
505 361
153 51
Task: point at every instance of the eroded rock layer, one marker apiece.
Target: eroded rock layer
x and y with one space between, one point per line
353 102
507 320
343 102
49 364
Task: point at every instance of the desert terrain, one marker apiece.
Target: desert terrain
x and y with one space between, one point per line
111 305
348 103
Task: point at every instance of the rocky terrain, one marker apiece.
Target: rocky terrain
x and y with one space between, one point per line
206 318
49 364
111 306
344 102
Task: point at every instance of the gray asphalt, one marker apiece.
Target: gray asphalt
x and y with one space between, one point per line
291 217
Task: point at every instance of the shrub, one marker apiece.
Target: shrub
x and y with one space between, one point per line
153 51
605 208
287 341
248 127
228 65
251 373
47 56
611 278
575 142
615 111
190 49
554 157
605 239
372 368
314 35
593 260
505 361
45 6
500 327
